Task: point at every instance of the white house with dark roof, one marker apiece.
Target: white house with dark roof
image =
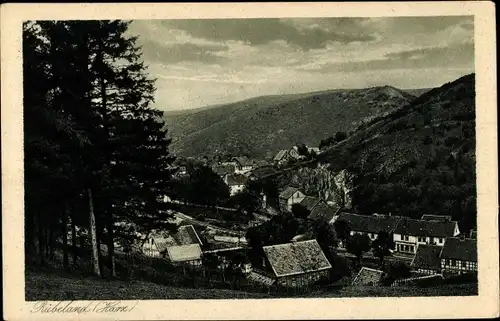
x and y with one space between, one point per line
459 255
242 164
156 244
289 196
296 264
409 233
236 183
370 225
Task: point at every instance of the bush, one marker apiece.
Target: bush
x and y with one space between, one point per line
427 140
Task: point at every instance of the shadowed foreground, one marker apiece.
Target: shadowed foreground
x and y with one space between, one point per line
42 286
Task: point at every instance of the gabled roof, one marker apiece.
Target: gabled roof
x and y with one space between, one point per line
280 155
370 223
296 258
323 210
310 202
222 170
459 249
183 253
243 160
288 192
262 171
431 217
407 226
368 276
235 179
427 257
186 235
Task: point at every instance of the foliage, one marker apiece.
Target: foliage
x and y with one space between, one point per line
358 244
343 229
92 141
382 245
300 211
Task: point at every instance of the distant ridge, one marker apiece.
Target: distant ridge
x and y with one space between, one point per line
260 126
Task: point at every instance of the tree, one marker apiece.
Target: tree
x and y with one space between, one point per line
343 230
340 136
357 245
325 234
300 211
245 201
382 245
205 186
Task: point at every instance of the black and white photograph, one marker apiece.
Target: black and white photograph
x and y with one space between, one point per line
248 158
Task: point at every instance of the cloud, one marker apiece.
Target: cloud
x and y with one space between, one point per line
174 53
204 62
456 56
262 31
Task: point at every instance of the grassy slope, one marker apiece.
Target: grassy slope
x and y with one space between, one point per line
261 126
43 286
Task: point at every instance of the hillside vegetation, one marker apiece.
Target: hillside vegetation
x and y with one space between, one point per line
261 126
419 159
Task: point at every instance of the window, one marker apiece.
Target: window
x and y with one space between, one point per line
411 248
421 239
405 237
453 262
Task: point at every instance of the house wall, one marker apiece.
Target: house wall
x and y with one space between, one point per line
296 197
458 266
413 241
149 248
233 189
301 280
372 236
427 271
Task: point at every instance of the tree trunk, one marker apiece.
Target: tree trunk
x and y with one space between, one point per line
41 238
65 237
93 235
74 241
111 246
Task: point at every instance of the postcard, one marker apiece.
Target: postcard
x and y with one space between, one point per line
241 161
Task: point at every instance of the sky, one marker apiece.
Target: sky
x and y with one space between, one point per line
206 62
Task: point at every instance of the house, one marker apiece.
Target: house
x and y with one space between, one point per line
328 212
459 255
368 276
281 158
242 164
186 235
427 259
155 244
431 217
185 254
294 153
310 202
297 264
261 172
223 170
409 233
370 225
312 150
289 196
236 183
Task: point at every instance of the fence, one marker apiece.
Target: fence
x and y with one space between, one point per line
161 271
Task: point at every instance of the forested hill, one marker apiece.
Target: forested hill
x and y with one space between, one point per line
420 159
261 126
